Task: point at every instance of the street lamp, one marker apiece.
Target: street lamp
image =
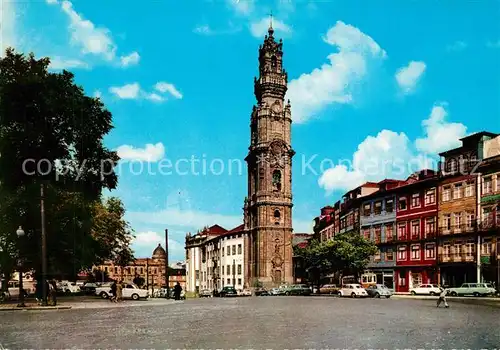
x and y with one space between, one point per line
20 234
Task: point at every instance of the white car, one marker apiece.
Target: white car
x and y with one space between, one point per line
129 291
68 287
426 289
352 290
475 289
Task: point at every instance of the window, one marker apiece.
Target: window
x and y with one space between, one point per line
469 189
277 217
498 182
486 247
402 253
389 255
415 229
378 208
402 203
469 248
430 226
239 281
366 233
197 274
401 279
228 270
228 250
487 184
415 252
378 233
430 196
222 251
402 230
415 200
105 269
470 217
446 249
239 269
430 251
277 180
239 248
389 206
376 257
234 249
447 222
457 191
452 165
367 208
389 232
446 193
228 281
222 269
457 219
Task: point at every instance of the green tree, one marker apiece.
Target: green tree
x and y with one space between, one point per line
51 133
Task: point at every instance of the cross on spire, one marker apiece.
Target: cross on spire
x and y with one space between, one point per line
271 20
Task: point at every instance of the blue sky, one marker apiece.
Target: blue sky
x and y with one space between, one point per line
377 90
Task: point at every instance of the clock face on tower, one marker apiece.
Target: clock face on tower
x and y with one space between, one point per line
276 107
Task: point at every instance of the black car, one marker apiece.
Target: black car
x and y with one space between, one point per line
228 292
261 292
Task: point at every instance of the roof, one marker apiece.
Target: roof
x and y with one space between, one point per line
159 251
216 230
479 134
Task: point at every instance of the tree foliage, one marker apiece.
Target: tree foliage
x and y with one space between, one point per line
51 134
346 253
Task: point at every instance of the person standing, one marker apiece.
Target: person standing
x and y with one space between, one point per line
442 298
113 292
177 291
119 291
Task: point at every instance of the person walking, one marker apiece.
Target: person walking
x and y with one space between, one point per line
119 291
442 298
112 298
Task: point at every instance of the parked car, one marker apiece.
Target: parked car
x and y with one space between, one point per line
129 291
475 289
426 289
329 289
378 290
205 293
246 292
228 291
89 288
298 289
277 291
68 287
353 290
261 292
182 296
4 295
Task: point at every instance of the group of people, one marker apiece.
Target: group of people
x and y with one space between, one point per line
116 292
51 288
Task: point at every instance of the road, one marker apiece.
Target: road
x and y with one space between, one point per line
258 322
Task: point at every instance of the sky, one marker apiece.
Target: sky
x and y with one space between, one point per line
377 90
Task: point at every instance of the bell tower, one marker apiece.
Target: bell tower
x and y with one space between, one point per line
268 207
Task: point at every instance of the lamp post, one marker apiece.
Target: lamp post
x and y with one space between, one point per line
20 234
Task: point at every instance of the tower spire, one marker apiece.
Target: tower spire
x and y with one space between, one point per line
271 30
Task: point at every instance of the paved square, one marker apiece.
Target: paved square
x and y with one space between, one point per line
259 322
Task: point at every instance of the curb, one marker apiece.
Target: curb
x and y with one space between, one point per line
35 308
463 300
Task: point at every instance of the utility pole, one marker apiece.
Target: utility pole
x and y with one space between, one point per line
147 274
44 246
167 272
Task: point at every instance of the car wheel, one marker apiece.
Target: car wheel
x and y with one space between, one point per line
353 295
475 294
413 292
135 296
104 295
432 293
377 295
387 296
287 293
454 294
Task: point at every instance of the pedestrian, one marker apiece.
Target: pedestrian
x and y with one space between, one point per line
112 298
52 290
119 291
177 291
442 298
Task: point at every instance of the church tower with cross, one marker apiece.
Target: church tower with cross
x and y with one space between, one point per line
268 206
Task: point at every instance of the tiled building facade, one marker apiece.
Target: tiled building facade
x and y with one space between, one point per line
434 227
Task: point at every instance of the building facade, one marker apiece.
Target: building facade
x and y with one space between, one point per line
268 207
416 227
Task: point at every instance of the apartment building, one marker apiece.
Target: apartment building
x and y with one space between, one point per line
416 225
489 213
459 207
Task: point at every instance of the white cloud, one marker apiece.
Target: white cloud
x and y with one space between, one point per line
385 155
130 59
58 63
52 2
7 25
155 97
145 242
333 81
260 28
440 134
128 91
167 87
409 76
92 40
457 46
150 153
242 7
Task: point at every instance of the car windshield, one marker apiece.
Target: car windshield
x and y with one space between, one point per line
381 286
435 286
488 285
358 287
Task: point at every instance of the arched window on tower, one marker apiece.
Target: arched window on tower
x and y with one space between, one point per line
277 217
274 63
277 180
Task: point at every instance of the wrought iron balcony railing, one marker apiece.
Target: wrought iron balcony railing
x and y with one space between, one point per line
456 229
457 257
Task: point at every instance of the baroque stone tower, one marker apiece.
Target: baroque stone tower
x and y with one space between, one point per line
268 207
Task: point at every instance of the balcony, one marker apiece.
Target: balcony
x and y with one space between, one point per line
490 224
458 229
457 258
